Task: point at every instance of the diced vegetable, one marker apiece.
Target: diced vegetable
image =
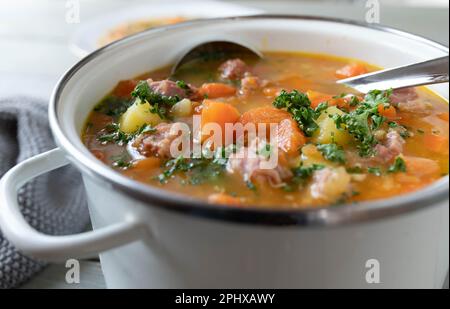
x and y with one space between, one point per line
328 132
290 138
387 111
436 143
421 167
266 114
330 184
216 90
182 108
136 116
317 97
312 156
147 163
350 70
443 116
219 113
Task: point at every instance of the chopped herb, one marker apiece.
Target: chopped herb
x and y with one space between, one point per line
332 152
393 124
420 131
299 105
354 170
398 166
405 134
200 170
112 134
122 161
182 84
250 185
374 170
160 104
265 151
122 164
320 108
302 173
364 120
113 106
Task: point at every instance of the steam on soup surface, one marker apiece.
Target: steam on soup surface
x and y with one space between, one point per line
331 145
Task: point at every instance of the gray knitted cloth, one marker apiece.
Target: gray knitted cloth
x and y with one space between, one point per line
53 203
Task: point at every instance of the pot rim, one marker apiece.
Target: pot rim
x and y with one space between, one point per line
309 217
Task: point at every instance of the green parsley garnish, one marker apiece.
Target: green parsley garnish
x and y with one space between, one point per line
374 170
200 170
299 106
160 104
112 134
113 106
399 165
332 152
364 120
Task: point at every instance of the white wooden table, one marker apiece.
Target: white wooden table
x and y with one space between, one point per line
34 52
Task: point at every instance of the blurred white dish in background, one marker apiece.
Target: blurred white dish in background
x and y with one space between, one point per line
86 37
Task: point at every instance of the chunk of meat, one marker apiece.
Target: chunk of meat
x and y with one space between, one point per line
158 143
233 69
250 164
390 148
171 89
403 95
251 84
330 184
224 199
407 100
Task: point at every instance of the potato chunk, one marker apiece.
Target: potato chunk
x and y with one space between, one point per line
182 108
327 132
136 116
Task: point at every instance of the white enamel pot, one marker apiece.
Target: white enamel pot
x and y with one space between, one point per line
148 238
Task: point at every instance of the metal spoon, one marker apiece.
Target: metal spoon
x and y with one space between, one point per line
423 73
216 50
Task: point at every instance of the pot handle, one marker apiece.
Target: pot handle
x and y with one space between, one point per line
54 248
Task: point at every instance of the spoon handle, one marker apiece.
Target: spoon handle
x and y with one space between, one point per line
423 73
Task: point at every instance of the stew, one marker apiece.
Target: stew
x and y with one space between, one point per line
291 137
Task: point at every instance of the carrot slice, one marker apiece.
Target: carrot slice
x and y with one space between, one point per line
350 70
388 112
421 167
290 137
219 113
224 199
144 168
318 97
216 90
436 143
147 163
